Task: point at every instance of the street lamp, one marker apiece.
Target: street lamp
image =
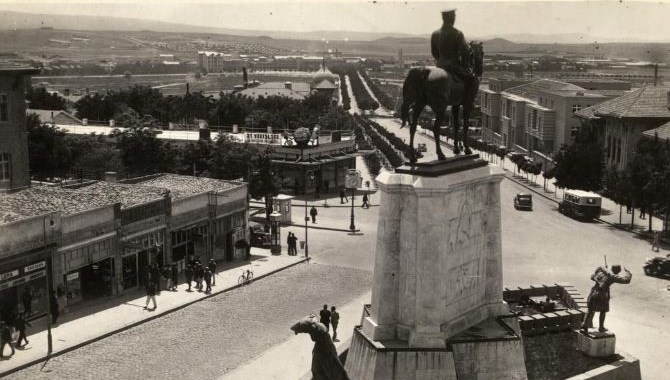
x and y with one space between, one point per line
352 181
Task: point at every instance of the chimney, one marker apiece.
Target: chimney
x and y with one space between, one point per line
111 177
288 85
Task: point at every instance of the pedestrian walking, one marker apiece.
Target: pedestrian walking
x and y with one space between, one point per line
151 296
55 313
27 300
199 273
294 244
642 213
365 202
189 276
313 214
174 275
289 244
325 317
212 268
655 244
207 276
5 338
20 325
334 320
343 197
167 274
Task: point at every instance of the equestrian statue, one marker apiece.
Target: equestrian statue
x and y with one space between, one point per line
454 82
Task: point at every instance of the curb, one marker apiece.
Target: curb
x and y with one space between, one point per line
617 226
134 324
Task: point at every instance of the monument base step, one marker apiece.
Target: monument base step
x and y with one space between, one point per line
596 344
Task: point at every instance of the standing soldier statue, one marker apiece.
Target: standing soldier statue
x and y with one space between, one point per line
599 298
450 50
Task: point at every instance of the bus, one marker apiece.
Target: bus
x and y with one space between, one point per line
580 204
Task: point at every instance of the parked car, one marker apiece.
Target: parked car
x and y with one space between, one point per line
422 147
657 266
523 201
259 237
580 204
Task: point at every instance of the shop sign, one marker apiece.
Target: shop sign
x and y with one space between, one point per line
7 275
263 138
35 266
73 276
24 279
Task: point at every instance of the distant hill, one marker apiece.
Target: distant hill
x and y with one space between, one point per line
17 20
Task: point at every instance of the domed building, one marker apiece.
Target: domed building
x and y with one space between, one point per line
324 81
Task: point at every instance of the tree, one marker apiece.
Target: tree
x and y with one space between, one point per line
580 166
128 75
40 99
48 153
195 158
618 187
141 151
263 182
649 173
92 156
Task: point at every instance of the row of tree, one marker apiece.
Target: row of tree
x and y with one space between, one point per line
396 141
228 109
41 99
381 95
380 143
344 89
363 98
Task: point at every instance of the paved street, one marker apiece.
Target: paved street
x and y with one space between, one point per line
209 338
541 246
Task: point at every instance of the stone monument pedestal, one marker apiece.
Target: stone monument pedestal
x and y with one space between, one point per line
596 344
438 273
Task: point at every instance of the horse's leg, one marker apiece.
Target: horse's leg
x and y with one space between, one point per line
413 121
439 117
454 113
466 125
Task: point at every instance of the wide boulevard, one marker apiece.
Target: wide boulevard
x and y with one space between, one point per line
213 337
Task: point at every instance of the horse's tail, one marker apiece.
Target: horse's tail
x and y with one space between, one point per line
416 78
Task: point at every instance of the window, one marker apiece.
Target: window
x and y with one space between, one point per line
5 166
4 108
576 107
486 100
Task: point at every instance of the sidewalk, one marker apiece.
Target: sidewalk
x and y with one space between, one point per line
292 359
94 322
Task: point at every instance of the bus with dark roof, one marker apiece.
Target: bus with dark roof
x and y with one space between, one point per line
580 204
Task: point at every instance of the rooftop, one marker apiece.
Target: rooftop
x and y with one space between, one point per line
533 89
181 186
663 132
8 68
645 102
41 200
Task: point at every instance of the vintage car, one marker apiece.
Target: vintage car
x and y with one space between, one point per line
259 237
422 147
523 201
657 266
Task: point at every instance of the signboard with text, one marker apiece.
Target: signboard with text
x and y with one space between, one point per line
263 138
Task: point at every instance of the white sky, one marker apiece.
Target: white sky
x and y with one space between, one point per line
613 19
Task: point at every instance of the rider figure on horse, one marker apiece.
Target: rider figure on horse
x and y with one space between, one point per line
450 50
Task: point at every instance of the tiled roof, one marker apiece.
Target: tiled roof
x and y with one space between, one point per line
646 102
663 132
40 200
588 112
182 186
266 92
47 116
532 90
325 85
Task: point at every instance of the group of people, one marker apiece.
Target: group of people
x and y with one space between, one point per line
292 243
330 318
20 324
196 272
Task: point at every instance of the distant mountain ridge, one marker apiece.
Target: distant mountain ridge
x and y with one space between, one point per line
21 20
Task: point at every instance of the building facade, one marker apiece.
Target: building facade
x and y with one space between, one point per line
537 115
620 122
14 170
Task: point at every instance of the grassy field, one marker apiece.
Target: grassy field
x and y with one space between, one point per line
169 84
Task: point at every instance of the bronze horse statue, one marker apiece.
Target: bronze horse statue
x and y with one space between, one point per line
434 87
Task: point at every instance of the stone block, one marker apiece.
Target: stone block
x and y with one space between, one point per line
596 344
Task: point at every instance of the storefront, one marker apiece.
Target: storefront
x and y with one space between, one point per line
88 269
188 243
24 286
139 252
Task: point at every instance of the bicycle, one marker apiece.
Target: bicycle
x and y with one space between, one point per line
246 277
